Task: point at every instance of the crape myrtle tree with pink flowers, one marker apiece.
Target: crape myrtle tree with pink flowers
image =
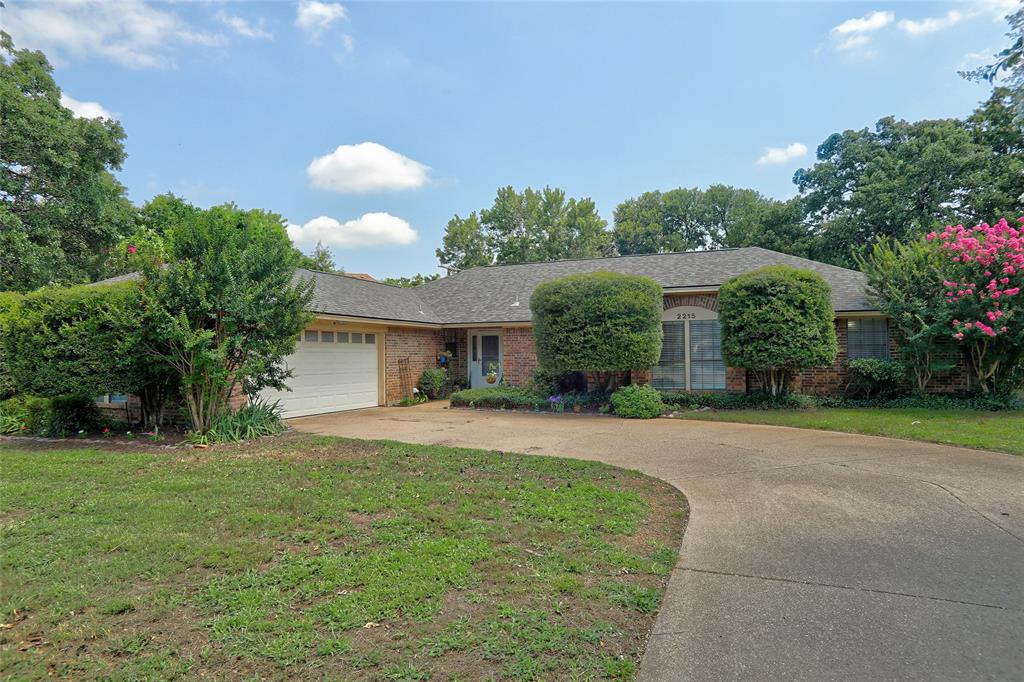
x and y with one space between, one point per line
982 289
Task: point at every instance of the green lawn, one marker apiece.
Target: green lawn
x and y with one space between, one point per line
1000 431
322 557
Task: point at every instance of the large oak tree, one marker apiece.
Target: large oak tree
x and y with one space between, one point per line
61 210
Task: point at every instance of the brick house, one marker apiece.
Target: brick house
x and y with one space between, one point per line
371 341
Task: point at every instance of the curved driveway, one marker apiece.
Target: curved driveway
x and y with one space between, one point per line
809 555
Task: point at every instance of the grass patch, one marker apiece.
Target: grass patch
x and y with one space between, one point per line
320 557
999 431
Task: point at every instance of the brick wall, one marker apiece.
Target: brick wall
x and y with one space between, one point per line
407 352
519 355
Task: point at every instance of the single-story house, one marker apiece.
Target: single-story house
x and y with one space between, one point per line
371 341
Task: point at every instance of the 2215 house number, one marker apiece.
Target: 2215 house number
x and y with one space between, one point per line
686 316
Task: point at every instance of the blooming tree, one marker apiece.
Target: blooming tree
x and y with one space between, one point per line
985 276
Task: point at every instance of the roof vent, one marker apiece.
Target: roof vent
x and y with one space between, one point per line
516 304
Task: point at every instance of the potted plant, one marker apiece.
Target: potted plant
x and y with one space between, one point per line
492 373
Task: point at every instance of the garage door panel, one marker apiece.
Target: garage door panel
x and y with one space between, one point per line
329 377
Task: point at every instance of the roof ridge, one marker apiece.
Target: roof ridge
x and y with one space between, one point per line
358 279
615 257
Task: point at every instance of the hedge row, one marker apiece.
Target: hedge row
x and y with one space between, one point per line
793 401
514 398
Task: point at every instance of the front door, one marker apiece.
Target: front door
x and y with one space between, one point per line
484 359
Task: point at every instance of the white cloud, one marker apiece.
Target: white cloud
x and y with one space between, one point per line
315 17
128 32
370 229
244 28
774 155
869 22
973 60
997 9
366 167
854 34
916 28
85 109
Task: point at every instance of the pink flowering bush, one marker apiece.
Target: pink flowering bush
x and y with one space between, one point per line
984 276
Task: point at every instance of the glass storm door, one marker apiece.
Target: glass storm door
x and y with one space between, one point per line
484 359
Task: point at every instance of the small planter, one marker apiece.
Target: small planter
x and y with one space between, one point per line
491 378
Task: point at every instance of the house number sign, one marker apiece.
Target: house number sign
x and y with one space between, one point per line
688 312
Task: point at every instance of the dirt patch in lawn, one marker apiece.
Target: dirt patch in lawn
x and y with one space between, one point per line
303 556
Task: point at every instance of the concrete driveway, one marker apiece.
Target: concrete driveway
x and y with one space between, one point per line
809 555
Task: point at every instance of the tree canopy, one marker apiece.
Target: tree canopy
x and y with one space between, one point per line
414 281
532 225
902 179
721 216
1008 65
61 210
319 259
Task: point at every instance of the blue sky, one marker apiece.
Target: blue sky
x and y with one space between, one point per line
271 104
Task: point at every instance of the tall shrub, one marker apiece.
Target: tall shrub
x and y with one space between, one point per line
9 301
903 283
775 321
982 290
224 311
80 341
599 322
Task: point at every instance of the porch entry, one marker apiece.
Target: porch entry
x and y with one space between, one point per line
691 351
485 356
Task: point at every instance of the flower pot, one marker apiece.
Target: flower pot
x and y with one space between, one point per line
491 378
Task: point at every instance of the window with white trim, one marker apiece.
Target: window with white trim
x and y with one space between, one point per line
357 337
867 337
327 337
311 336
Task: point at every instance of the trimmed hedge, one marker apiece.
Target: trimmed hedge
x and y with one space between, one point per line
78 341
775 321
499 397
599 321
516 398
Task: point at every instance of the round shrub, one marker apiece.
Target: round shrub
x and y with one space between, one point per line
637 402
599 322
432 382
775 321
874 377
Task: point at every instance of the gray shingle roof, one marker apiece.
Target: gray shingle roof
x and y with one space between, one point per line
501 293
355 297
489 294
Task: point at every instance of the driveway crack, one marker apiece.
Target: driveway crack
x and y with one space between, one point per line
872 590
941 487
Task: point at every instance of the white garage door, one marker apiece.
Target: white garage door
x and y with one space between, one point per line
331 371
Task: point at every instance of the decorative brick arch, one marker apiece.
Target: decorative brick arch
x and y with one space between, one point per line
707 301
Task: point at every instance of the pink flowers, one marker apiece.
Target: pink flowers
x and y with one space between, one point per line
975 254
132 249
